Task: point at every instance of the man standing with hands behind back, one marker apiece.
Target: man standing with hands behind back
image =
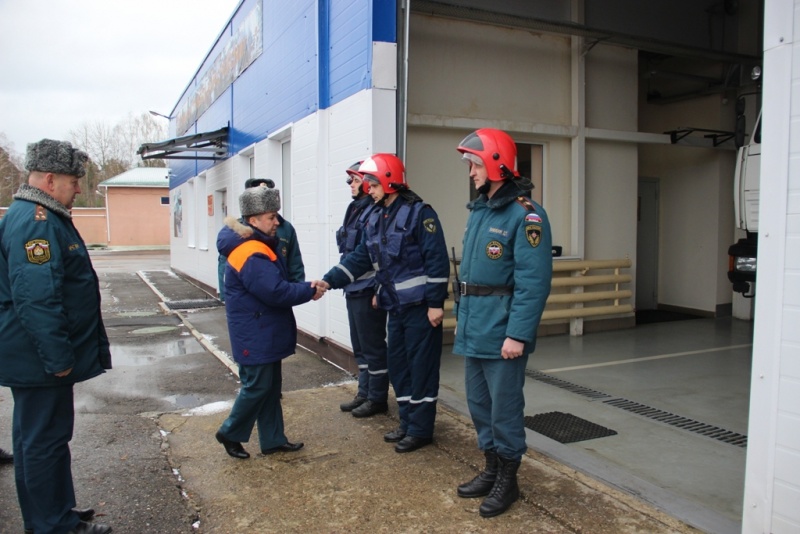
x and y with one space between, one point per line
51 333
505 277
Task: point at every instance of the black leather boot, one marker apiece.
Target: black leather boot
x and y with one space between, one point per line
505 490
482 484
353 404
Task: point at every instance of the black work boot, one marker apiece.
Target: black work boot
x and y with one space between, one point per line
482 484
505 490
370 408
353 404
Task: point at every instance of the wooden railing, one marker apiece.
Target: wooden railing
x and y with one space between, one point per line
577 292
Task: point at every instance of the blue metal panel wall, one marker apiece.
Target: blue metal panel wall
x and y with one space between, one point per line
291 79
384 20
349 69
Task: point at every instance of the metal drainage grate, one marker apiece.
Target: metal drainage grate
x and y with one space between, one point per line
711 431
192 304
565 427
684 423
563 384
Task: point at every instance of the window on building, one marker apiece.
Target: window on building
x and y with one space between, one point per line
165 201
203 203
190 209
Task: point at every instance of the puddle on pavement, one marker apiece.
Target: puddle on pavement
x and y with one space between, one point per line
147 353
184 401
154 330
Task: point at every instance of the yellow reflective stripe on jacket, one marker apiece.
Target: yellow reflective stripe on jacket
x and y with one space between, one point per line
240 254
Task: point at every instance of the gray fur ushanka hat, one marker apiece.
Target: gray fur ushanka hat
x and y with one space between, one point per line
258 200
58 157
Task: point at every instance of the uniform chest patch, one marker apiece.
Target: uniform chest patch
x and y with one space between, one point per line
430 225
38 251
494 250
284 252
533 233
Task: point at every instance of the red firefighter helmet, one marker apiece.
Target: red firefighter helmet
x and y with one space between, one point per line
385 169
497 151
352 171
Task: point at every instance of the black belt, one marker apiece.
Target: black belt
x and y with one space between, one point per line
484 291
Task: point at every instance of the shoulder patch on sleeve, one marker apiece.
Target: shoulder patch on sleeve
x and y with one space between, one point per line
40 214
533 233
38 251
430 225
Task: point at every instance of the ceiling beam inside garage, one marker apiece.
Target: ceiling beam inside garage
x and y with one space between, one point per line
565 27
728 68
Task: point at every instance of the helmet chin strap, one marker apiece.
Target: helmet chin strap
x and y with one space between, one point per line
506 173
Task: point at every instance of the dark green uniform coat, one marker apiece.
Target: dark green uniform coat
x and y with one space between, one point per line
49 297
507 242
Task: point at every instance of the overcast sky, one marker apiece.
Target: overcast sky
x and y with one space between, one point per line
66 62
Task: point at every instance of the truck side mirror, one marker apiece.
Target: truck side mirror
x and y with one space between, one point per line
739 132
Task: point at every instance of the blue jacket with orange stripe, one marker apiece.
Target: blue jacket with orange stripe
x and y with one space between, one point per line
258 296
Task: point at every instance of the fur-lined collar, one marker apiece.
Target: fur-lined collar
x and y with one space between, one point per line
37 196
507 193
237 226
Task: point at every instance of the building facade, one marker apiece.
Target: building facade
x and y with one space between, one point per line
624 113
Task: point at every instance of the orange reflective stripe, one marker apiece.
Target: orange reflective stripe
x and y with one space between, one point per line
240 254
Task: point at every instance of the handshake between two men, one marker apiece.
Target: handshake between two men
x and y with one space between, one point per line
321 286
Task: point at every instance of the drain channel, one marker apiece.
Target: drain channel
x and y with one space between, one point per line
563 384
711 431
678 421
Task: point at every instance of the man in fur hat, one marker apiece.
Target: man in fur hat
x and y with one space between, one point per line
259 297
287 247
51 333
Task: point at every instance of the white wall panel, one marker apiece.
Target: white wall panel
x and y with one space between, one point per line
773 466
350 140
307 214
201 263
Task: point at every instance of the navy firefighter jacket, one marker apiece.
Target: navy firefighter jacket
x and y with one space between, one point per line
258 296
404 244
349 236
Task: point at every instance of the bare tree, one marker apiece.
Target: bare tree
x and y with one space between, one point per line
112 150
134 131
12 172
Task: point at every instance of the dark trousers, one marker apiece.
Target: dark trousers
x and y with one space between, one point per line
497 403
43 422
259 401
415 352
368 337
